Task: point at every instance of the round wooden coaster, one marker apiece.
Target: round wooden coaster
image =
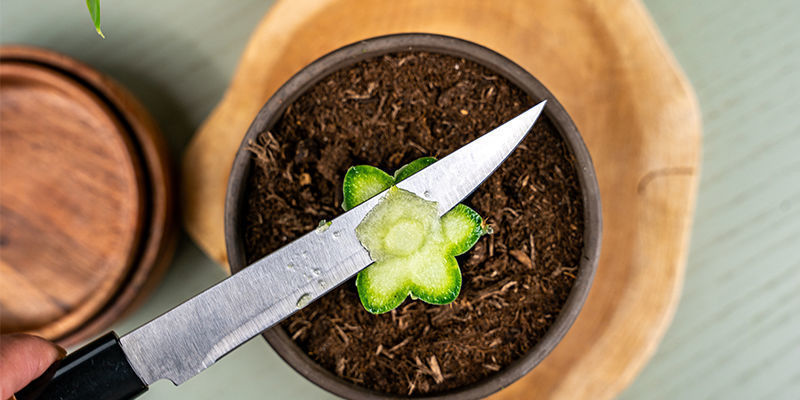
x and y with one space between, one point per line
85 198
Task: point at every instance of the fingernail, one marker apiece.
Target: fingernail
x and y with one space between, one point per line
61 352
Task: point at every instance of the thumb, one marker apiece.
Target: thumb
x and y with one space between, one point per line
24 358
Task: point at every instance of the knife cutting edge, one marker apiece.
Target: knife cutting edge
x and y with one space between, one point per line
184 341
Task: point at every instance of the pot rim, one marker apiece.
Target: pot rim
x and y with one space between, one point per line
351 54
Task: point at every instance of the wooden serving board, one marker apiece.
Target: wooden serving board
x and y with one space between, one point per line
609 67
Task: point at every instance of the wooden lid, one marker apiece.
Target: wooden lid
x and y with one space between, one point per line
78 198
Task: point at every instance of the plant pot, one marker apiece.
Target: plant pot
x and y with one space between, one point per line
347 56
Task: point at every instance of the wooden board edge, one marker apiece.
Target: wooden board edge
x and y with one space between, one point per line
664 185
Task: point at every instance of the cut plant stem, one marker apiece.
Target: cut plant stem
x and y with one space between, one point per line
413 248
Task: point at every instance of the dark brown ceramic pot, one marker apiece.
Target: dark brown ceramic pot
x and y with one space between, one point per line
350 55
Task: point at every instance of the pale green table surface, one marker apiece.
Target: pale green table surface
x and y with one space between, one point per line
736 334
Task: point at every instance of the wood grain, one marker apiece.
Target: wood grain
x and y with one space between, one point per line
87 202
736 334
71 201
608 66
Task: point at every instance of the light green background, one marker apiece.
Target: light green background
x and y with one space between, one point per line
736 334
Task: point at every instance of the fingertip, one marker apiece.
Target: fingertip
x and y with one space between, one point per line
41 349
24 358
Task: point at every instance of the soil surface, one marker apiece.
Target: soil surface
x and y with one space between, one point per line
387 112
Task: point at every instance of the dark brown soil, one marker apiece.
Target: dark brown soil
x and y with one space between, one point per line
387 112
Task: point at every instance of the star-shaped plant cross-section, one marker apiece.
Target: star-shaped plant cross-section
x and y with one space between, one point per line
413 248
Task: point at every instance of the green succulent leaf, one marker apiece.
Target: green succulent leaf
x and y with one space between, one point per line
463 227
412 168
362 182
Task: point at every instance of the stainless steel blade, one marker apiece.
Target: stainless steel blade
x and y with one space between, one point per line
451 179
192 336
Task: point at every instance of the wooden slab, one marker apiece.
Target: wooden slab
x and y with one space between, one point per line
608 66
79 199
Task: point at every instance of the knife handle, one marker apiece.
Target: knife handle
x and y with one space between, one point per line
100 370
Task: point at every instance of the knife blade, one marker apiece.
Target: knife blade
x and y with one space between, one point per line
184 341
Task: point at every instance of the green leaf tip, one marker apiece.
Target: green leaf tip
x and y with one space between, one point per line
94 13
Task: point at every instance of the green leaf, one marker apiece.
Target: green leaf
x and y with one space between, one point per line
362 182
462 227
412 168
94 12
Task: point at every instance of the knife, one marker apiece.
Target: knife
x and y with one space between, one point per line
184 341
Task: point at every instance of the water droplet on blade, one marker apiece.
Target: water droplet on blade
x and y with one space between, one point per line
322 284
303 300
427 193
337 234
290 266
317 271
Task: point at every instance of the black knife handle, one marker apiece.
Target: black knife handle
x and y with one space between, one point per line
98 370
